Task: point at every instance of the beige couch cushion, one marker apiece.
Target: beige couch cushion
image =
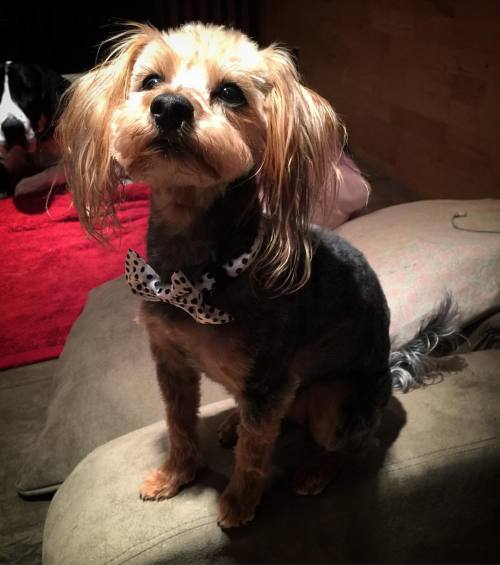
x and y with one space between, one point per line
423 249
428 493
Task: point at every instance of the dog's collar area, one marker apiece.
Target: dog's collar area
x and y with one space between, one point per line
181 292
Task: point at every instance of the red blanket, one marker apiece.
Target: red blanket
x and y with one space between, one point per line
48 266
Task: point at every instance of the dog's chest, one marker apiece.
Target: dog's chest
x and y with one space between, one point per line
221 358
213 350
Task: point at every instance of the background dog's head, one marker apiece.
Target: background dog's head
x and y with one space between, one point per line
29 101
190 111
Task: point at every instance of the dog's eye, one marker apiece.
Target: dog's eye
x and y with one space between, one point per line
151 81
231 94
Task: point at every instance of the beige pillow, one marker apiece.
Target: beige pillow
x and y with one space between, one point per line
423 249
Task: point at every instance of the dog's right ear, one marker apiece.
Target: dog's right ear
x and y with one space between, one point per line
84 129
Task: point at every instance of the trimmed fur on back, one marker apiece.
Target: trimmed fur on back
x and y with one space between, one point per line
414 364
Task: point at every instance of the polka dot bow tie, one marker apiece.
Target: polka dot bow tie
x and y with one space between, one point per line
181 292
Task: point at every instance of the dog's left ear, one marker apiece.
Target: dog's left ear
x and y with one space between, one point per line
53 87
303 146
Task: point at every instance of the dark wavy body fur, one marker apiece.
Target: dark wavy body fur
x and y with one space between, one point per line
335 328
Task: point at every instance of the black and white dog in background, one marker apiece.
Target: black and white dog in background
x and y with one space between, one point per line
29 103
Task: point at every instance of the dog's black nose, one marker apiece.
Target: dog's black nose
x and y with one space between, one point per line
170 111
14 132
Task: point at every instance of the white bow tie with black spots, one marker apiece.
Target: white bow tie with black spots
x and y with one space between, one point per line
181 292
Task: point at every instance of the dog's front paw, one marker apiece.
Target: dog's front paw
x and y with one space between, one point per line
235 511
166 482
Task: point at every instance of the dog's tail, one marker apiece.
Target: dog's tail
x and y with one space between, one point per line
414 364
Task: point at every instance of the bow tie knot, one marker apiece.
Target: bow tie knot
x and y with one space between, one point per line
181 292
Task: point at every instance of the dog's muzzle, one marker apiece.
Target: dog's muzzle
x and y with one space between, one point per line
14 132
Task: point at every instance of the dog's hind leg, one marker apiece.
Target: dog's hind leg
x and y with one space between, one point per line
341 417
319 408
228 430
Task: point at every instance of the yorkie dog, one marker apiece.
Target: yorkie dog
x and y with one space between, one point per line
289 318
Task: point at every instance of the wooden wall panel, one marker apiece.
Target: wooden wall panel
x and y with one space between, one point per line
417 83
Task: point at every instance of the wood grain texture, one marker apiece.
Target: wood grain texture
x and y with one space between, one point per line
417 83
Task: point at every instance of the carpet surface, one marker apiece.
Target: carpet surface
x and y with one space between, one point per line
48 265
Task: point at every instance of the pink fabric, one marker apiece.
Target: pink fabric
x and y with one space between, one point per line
352 195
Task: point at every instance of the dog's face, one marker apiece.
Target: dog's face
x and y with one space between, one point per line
29 98
190 111
29 95
193 118
20 106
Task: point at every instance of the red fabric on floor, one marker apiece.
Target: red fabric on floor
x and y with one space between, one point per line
48 266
